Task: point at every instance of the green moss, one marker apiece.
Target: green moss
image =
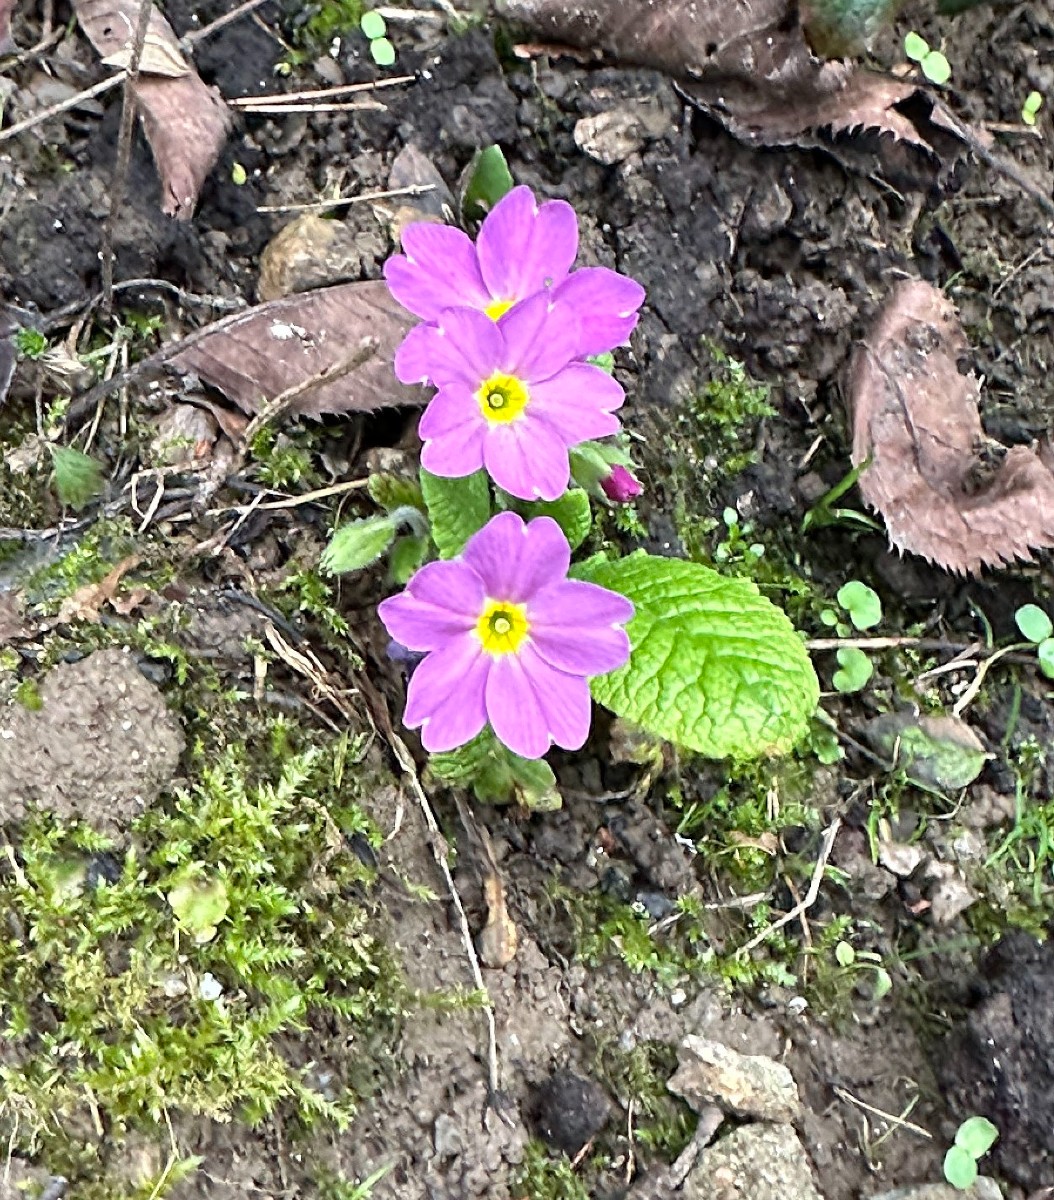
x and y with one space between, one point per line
662 1122
27 693
285 458
548 1178
85 561
96 971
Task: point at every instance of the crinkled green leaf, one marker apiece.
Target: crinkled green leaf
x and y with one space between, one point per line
486 179
457 508
393 491
715 667
357 545
571 512
77 477
496 775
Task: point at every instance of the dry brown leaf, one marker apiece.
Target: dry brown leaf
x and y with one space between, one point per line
747 63
161 55
186 122
945 490
498 940
264 351
86 603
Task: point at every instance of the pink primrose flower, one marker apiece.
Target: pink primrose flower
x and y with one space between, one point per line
509 640
522 248
621 486
510 397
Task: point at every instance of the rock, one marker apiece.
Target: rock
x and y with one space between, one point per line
309 252
100 748
755 1162
184 435
611 137
412 168
743 1085
951 894
983 1189
899 857
568 1111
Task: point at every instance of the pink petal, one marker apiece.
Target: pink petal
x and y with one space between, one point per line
451 409
577 402
576 627
530 705
438 270
456 453
447 695
466 350
515 559
540 337
606 303
442 601
523 248
528 459
413 357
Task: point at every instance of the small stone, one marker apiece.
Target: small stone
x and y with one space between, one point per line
411 168
755 1162
309 252
447 1137
951 896
900 858
983 1189
744 1085
611 137
184 435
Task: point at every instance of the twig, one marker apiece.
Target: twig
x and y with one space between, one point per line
413 189
207 30
970 694
345 89
887 643
124 150
59 316
810 896
354 106
71 102
849 1098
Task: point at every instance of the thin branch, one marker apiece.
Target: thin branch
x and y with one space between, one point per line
413 189
263 110
124 149
329 93
63 106
242 10
842 1094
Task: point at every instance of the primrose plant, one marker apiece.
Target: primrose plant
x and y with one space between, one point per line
507 639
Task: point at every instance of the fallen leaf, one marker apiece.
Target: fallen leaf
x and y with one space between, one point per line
261 352
186 123
945 490
498 940
160 55
87 602
937 751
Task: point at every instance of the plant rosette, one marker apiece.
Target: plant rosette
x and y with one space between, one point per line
509 642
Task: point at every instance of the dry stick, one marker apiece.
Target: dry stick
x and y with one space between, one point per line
413 189
887 643
329 93
124 150
810 896
72 102
241 11
264 110
842 1094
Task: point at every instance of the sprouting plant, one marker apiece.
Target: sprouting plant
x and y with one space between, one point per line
864 609
861 603
1039 629
824 513
375 29
1030 109
933 64
853 960
30 343
973 1139
854 670
76 477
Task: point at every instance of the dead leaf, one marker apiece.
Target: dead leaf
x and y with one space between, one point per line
186 122
945 490
498 940
87 602
263 351
8 45
161 55
12 621
938 751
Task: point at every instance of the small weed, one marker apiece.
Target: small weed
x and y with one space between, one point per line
281 460
932 63
1030 109
663 1123
30 343
1038 628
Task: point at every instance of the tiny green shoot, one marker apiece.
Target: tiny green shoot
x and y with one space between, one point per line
854 670
375 30
30 343
861 603
933 64
1030 109
974 1138
239 175
1038 628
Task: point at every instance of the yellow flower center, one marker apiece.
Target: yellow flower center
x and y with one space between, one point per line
502 398
502 626
498 308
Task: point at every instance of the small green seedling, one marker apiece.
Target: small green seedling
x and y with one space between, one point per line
861 603
865 960
975 1137
76 477
854 670
239 175
375 29
1030 109
1039 629
932 63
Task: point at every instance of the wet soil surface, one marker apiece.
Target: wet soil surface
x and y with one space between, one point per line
779 259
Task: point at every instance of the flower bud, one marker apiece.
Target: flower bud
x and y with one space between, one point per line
621 486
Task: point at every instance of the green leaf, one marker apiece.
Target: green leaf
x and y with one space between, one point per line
861 603
200 904
571 512
915 47
1034 623
936 67
960 1169
373 25
486 179
457 508
382 52
883 984
855 670
393 491
606 361
408 553
357 545
715 667
76 477
1045 654
239 175
497 775
976 1135
1032 105
844 954
30 343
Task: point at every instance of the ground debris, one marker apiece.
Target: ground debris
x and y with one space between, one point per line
743 1085
260 353
946 491
754 1162
186 122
